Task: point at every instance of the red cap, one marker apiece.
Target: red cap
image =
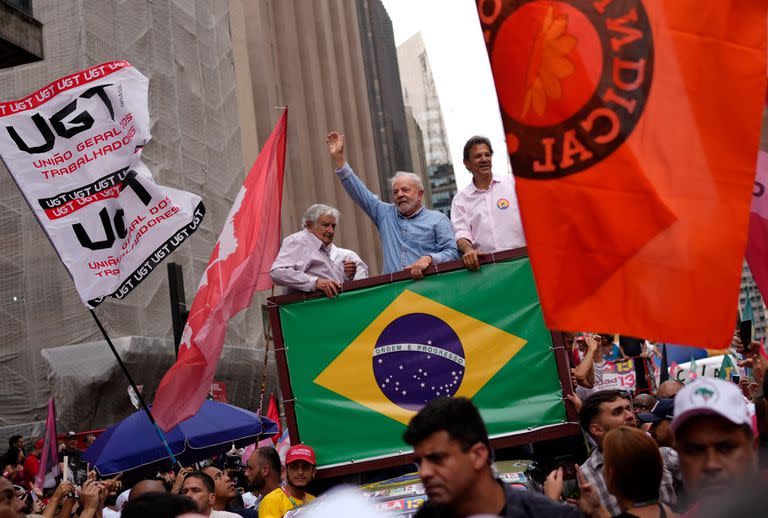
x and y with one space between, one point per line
300 452
39 444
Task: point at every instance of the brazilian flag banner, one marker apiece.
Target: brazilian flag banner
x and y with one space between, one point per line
359 366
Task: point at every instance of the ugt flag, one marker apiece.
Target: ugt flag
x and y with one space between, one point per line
239 266
633 127
74 150
375 356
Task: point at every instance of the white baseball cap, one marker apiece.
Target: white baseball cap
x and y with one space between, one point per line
710 396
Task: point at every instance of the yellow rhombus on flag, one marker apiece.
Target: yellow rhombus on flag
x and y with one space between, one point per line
486 350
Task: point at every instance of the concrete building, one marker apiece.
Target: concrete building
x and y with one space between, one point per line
420 94
390 129
418 157
218 73
51 346
21 35
315 60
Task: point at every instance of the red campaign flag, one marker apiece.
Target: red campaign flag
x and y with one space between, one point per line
238 267
274 414
632 127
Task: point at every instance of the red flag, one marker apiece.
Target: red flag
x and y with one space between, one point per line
274 414
633 129
238 267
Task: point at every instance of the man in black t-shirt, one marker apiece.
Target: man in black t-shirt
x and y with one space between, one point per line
453 453
70 447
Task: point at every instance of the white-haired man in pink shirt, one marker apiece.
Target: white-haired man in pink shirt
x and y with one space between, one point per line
309 261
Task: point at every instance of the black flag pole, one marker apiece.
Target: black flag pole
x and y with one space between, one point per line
135 389
664 370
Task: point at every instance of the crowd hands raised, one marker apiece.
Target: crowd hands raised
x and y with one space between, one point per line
207 492
484 219
685 450
658 453
85 501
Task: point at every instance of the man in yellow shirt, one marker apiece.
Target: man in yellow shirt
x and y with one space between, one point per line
299 472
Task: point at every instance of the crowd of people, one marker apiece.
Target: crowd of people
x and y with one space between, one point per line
661 455
269 489
691 454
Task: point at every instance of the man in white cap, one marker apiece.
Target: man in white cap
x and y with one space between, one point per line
713 437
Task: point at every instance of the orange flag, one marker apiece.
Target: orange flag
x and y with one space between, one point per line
633 128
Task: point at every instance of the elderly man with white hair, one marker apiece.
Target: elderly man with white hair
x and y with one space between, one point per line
412 236
309 261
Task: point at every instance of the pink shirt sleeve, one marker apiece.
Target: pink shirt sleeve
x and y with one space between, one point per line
460 219
288 268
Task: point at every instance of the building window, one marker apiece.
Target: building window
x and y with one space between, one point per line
21 5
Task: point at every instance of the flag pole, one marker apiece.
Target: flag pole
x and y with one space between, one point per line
664 370
135 389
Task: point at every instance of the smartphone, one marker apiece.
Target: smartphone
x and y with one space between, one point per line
735 378
745 334
570 481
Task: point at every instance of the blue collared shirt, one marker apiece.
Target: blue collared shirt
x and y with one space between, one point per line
404 240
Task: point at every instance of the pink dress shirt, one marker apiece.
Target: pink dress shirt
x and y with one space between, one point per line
490 218
303 259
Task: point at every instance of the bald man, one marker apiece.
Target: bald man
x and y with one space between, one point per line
146 486
668 389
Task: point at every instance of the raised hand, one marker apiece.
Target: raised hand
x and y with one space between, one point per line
553 485
90 494
336 147
183 472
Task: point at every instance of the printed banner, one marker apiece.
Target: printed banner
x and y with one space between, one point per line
74 150
375 356
618 375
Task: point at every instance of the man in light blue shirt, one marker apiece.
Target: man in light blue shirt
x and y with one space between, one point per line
412 236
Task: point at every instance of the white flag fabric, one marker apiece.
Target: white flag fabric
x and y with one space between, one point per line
74 150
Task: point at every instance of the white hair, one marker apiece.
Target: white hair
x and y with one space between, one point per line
318 209
405 174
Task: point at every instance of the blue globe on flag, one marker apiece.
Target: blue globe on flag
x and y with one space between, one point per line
417 358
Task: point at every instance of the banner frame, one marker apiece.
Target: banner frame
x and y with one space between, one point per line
567 428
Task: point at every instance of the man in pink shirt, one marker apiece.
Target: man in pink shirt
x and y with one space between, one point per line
309 261
484 214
